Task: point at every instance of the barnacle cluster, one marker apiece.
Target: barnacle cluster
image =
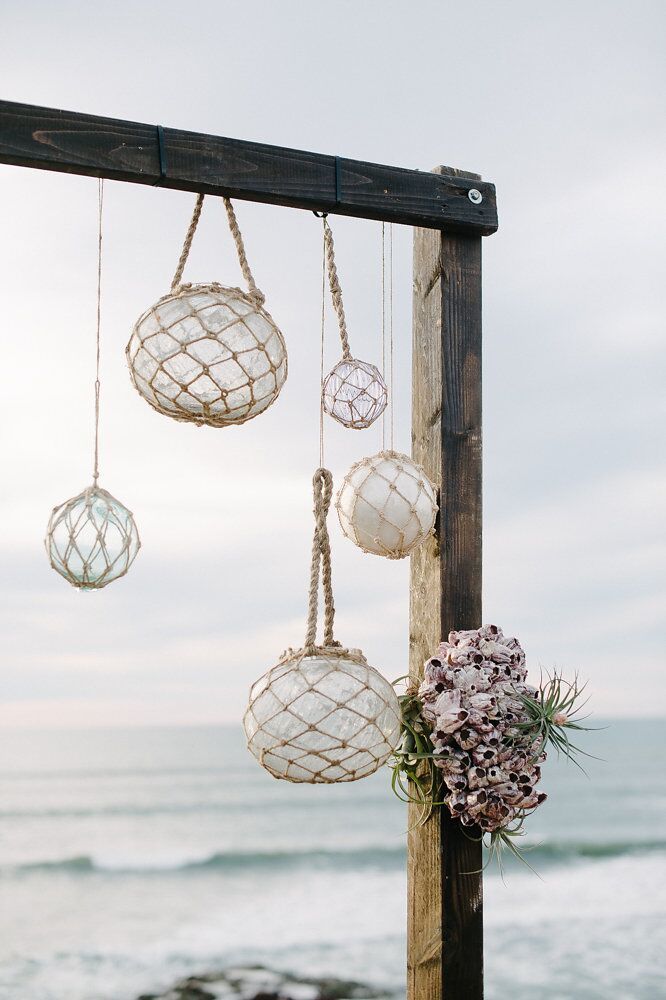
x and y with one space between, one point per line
475 697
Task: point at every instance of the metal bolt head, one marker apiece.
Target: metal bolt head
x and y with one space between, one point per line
475 196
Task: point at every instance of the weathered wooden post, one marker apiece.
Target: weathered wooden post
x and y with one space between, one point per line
445 901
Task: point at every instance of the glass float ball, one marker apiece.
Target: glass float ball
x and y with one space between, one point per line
355 393
322 717
208 355
92 539
387 505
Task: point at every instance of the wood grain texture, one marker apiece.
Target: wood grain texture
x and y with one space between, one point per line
69 142
445 902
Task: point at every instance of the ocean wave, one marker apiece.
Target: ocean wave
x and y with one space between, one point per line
566 850
168 809
376 857
382 858
226 805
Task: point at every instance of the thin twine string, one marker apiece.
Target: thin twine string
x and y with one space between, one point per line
391 380
336 291
384 329
321 356
100 208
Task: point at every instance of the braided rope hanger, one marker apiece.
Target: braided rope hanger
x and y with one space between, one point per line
322 484
336 291
254 292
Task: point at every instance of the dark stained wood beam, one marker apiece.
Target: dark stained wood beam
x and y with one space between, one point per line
445 888
74 143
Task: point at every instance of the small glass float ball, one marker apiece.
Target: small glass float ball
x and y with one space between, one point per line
322 716
208 354
354 393
387 505
92 539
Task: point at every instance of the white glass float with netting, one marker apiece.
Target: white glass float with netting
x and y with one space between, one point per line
92 539
208 354
323 716
354 393
387 505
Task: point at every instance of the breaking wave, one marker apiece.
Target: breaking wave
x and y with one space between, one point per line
382 858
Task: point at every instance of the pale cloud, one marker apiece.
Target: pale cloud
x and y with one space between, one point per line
573 361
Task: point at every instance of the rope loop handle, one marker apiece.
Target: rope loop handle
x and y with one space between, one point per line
254 292
336 291
322 483
187 245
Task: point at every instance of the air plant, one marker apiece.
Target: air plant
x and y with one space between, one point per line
415 775
503 841
556 710
474 736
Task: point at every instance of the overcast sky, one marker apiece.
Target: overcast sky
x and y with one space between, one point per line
560 105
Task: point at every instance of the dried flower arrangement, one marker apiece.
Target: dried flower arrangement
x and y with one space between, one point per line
475 735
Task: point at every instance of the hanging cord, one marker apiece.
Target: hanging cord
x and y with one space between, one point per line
322 483
254 292
187 245
321 354
336 291
391 393
384 329
100 207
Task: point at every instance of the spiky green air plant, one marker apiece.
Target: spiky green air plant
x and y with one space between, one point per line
503 841
417 779
415 776
552 713
555 709
475 734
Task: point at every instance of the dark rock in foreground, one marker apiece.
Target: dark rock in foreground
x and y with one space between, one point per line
258 983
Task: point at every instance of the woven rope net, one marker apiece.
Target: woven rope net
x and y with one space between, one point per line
208 353
354 392
387 505
92 539
322 714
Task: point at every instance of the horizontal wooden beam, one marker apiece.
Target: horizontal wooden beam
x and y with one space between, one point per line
190 161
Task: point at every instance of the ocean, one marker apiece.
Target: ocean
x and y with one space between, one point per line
130 858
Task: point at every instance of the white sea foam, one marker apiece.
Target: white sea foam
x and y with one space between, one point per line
117 878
